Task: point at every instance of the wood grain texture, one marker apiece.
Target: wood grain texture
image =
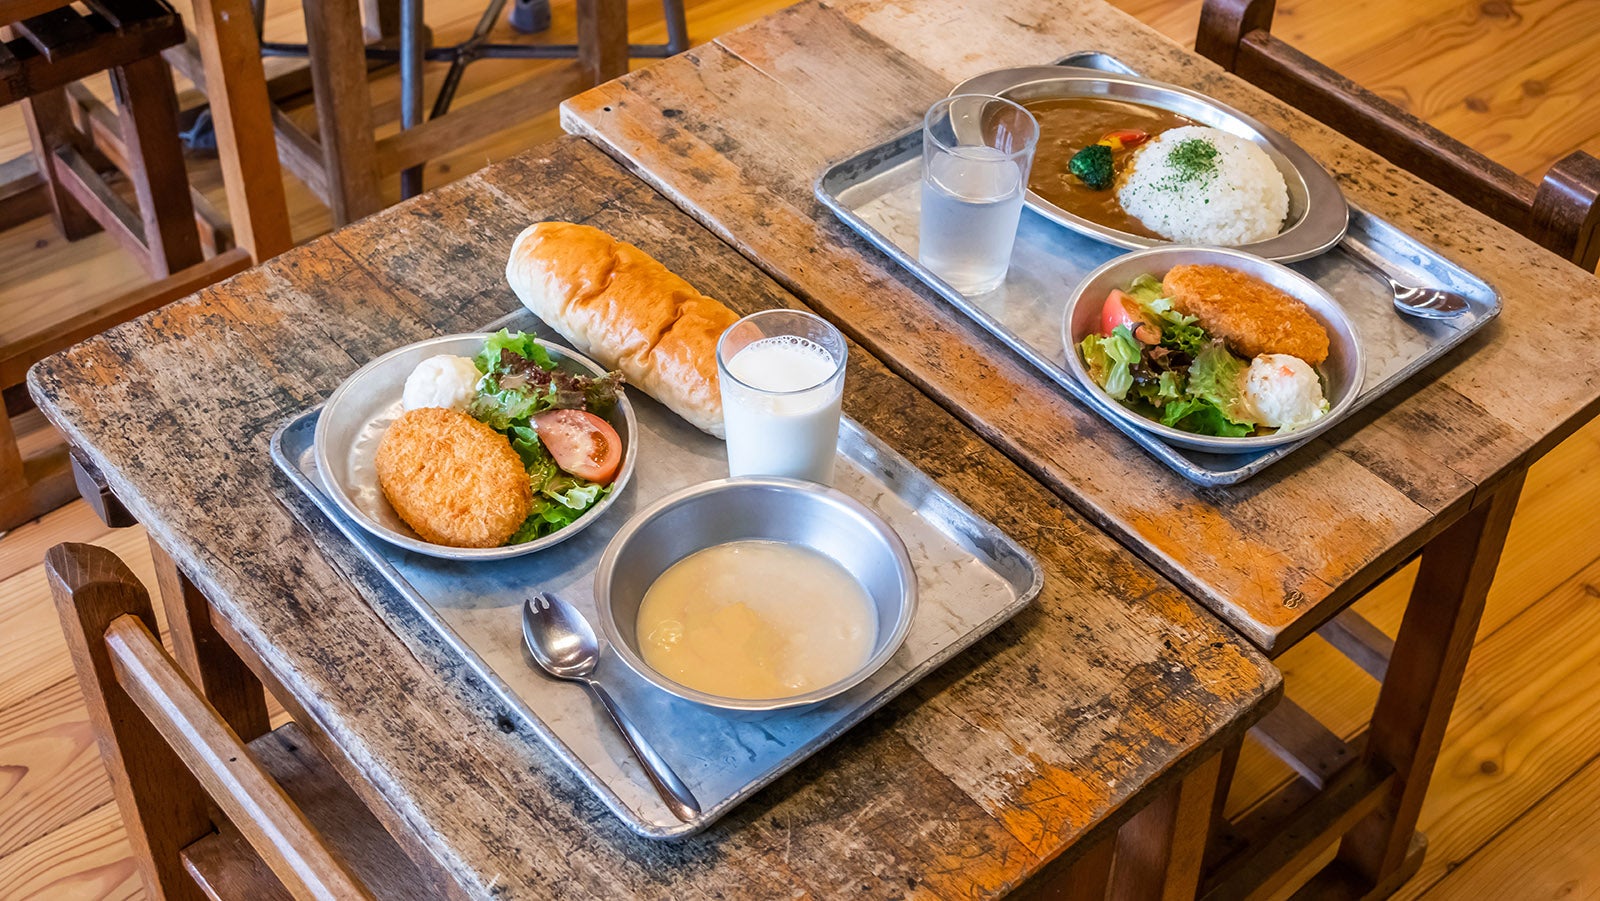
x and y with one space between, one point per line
1041 738
736 131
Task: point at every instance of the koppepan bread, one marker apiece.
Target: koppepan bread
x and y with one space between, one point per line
617 304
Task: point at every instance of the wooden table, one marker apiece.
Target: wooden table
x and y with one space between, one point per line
1101 711
737 130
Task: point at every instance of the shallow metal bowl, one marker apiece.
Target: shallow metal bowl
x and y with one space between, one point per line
1318 214
769 509
357 413
1341 372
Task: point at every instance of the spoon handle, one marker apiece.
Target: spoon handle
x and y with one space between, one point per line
667 783
1368 257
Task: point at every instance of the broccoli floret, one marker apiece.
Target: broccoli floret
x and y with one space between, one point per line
1092 166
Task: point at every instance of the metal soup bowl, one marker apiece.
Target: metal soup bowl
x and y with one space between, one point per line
1341 372
766 509
353 420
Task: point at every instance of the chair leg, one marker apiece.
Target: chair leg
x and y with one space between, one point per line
15 500
162 804
344 108
242 115
603 38
49 120
149 116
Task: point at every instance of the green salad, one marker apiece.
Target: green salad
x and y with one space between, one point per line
555 421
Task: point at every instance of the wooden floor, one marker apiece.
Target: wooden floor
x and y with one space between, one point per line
1514 810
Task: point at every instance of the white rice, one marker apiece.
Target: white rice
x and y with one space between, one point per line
1238 199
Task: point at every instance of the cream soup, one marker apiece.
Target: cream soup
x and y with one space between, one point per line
756 620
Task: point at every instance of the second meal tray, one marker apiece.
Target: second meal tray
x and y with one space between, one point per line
971 577
878 194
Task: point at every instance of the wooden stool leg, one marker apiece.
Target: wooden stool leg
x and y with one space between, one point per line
49 120
1430 655
241 112
162 804
205 657
344 108
149 116
1161 850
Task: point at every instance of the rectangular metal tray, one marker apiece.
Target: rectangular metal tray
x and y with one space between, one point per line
877 193
971 578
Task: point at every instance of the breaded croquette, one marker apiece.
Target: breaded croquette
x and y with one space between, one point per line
453 479
1249 315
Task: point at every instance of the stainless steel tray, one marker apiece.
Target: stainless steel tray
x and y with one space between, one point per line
876 193
971 578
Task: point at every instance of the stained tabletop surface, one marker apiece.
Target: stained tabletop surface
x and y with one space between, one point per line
1054 729
737 130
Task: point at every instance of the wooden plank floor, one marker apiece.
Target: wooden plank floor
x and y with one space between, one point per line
1514 810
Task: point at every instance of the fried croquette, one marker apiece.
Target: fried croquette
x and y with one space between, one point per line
453 479
1249 315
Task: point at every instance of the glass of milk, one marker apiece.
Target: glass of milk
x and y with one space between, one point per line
782 374
976 153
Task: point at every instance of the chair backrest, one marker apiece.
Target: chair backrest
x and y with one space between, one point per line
1562 213
170 755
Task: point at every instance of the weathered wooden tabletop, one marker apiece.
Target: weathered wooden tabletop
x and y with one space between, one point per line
737 130
1055 728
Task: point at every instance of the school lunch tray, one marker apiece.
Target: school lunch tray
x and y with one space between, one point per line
971 577
878 194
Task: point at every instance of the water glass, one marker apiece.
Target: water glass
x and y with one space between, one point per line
782 376
976 153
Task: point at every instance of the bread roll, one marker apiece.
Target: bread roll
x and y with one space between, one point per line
616 304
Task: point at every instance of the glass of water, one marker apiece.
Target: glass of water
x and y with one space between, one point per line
782 378
976 153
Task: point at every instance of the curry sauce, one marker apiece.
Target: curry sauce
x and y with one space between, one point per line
1069 124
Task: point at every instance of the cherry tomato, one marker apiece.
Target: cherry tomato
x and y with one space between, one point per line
1120 309
581 443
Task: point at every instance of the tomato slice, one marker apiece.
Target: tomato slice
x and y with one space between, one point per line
581 443
1120 309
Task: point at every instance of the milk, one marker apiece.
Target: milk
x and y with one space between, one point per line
781 409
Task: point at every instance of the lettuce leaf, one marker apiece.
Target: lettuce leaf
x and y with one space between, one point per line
1216 375
1108 358
1202 417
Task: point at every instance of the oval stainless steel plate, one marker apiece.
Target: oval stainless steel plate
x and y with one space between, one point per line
1318 215
353 420
1342 372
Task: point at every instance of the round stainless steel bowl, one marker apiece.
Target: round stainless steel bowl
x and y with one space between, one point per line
1341 372
353 420
768 509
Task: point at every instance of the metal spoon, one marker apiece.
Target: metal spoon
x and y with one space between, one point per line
1428 303
564 644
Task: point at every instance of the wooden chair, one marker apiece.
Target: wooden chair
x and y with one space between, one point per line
1560 213
344 163
75 140
288 825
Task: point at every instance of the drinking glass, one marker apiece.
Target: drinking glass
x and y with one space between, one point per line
976 153
782 375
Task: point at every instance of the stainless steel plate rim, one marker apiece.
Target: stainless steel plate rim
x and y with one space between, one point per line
610 558
1319 229
361 378
1307 291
